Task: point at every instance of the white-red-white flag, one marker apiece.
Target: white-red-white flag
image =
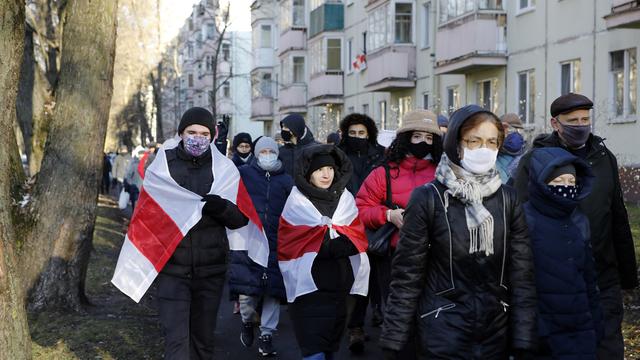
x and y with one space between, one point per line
300 235
164 214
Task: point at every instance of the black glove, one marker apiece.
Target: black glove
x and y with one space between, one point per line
223 131
388 354
126 186
520 354
214 205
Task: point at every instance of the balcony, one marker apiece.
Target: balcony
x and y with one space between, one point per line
391 67
624 14
262 108
292 39
262 58
326 88
293 98
326 17
471 42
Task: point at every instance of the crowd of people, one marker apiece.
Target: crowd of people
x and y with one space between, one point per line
481 245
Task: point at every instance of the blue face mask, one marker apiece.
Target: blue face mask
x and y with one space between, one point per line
268 162
564 191
196 145
514 142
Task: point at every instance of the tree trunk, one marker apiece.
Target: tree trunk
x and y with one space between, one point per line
14 333
65 195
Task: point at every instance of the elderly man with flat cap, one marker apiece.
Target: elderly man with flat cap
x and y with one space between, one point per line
610 231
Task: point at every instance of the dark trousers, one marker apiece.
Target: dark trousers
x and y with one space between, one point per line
188 311
611 347
105 185
133 196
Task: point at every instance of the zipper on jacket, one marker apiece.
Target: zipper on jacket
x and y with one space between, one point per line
264 278
266 206
437 311
505 306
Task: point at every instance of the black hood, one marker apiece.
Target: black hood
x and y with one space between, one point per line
343 172
354 119
295 123
457 119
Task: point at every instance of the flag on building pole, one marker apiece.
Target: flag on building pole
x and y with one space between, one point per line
302 230
164 214
360 62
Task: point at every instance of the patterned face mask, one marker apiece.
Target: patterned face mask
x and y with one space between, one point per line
196 145
564 191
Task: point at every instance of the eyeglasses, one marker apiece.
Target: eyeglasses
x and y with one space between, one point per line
476 143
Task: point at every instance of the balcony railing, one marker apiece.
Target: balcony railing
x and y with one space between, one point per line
326 88
262 108
293 98
292 39
391 67
455 9
624 14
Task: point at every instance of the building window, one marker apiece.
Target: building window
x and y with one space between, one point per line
190 77
486 94
334 54
426 25
298 69
226 52
383 115
526 96
526 4
265 85
454 8
351 110
403 23
211 31
425 101
377 25
453 99
624 75
350 54
265 36
298 13
365 109
570 77
208 66
190 51
364 42
226 89
404 106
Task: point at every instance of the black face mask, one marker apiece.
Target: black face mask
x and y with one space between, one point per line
357 145
421 149
565 191
286 135
244 156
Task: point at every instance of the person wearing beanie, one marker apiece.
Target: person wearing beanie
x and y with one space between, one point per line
570 322
611 236
443 123
360 143
191 283
296 136
242 151
268 186
333 138
318 304
463 266
512 149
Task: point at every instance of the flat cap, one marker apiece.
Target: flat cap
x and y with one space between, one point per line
512 120
570 102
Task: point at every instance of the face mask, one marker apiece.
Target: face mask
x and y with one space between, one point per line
479 161
564 191
244 156
196 145
575 135
357 144
513 143
268 162
420 150
286 135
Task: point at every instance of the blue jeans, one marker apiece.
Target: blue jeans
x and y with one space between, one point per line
319 356
270 312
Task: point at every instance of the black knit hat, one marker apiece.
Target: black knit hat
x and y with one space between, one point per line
242 138
320 161
561 170
197 116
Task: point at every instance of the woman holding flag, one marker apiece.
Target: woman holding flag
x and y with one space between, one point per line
321 250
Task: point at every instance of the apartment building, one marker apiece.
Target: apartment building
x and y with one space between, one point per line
188 72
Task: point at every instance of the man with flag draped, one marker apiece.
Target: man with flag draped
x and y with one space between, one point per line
321 250
193 208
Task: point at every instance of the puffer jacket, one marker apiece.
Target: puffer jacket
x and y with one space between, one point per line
203 251
268 192
610 231
362 164
569 313
464 306
410 174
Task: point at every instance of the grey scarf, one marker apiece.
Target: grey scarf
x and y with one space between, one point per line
470 189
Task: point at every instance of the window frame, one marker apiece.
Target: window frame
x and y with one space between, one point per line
627 101
293 69
528 116
573 86
426 25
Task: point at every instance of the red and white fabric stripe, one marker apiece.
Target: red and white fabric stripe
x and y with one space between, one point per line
300 235
164 214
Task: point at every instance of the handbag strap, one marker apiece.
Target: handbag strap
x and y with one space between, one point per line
389 198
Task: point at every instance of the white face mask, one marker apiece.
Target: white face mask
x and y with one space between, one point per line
268 161
479 161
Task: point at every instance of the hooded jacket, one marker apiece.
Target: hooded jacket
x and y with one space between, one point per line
569 313
463 306
363 160
611 238
289 152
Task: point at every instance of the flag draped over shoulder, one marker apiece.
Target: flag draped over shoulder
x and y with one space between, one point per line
302 230
164 214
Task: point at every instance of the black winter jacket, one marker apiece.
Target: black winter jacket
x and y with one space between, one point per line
466 306
611 238
203 251
363 164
